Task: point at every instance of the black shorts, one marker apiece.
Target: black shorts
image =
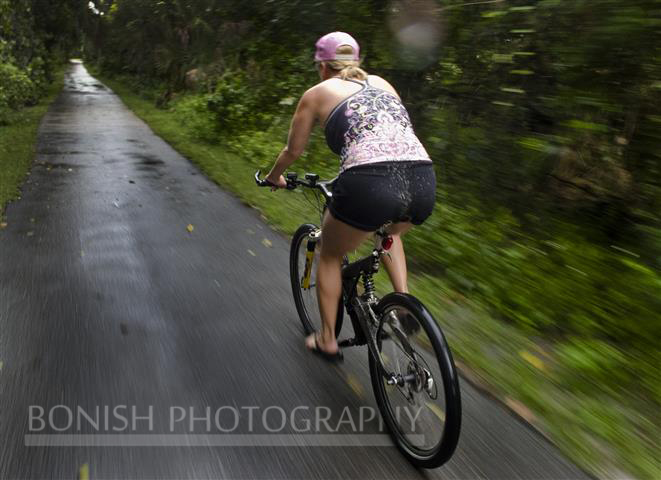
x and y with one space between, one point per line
367 196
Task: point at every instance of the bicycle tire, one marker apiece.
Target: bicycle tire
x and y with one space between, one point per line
439 350
308 318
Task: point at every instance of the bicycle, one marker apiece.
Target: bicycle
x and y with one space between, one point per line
397 325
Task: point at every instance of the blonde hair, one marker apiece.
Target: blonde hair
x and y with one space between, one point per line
347 68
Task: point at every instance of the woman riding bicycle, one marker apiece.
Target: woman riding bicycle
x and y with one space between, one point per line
386 176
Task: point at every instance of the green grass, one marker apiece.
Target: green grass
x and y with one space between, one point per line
600 430
18 141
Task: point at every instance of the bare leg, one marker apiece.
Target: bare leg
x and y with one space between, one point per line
338 238
396 263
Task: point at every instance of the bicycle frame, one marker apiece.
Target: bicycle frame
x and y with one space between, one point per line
359 307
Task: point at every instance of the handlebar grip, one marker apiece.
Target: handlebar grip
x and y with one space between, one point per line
260 182
291 182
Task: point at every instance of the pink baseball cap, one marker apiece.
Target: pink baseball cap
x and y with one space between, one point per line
327 46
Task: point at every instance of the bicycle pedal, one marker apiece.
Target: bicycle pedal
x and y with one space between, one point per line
351 342
347 342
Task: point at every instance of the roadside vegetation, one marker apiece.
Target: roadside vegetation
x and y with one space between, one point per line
35 40
18 135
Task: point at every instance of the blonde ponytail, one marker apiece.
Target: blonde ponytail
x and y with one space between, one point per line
347 68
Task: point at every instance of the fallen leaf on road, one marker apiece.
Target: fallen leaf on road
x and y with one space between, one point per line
30 233
267 243
532 360
32 220
250 231
84 472
190 228
355 385
252 253
3 225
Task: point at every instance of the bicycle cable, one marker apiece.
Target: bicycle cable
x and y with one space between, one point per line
314 204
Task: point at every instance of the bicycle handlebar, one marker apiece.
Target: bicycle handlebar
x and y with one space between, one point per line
292 183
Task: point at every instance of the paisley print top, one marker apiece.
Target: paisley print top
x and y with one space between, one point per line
372 126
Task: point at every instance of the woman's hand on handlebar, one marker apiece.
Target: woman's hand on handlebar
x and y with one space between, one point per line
279 182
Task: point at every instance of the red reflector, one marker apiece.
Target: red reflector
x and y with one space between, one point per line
386 243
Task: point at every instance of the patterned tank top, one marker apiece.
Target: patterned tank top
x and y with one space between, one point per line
372 126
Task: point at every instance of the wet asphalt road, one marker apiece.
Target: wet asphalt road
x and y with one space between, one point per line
107 300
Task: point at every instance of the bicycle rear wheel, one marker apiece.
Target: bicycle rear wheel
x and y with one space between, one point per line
423 409
305 293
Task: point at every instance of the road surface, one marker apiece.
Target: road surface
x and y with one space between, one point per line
115 319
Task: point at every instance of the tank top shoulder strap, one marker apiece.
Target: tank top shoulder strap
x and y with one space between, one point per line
356 81
365 83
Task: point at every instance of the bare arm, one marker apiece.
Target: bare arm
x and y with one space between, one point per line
299 133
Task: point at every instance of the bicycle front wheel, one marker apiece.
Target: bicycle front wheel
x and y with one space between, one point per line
417 389
305 247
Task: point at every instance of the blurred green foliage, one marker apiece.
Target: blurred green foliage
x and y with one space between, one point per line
16 88
36 36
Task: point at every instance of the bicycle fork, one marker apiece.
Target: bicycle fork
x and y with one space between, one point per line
313 238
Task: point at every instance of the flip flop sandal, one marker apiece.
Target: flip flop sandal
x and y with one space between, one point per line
336 357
